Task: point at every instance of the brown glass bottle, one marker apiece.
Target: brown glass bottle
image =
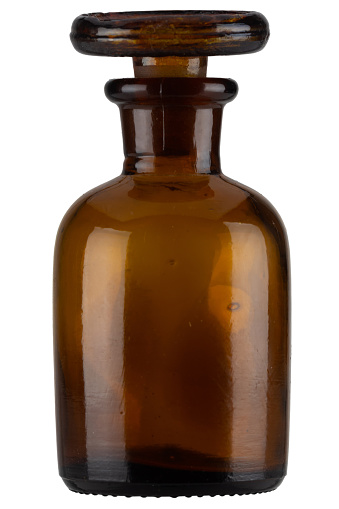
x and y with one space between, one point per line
172 312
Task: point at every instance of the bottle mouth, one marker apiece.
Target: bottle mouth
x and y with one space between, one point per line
172 91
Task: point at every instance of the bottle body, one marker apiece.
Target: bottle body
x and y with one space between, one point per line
172 339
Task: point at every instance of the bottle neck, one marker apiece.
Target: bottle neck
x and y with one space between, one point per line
175 139
171 126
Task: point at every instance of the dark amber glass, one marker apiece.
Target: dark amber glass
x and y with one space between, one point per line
171 304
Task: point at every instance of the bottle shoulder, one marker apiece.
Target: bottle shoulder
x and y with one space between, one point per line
132 202
112 186
258 205
256 216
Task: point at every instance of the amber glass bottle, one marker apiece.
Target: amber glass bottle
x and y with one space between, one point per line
171 294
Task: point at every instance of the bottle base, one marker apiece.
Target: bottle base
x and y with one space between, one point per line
106 488
175 483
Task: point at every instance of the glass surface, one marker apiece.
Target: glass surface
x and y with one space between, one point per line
172 311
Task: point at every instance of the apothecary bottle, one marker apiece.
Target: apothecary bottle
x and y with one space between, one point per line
171 292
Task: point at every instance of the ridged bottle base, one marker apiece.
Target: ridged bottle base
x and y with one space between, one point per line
151 481
171 490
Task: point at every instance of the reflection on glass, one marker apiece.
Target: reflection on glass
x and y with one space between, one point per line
103 343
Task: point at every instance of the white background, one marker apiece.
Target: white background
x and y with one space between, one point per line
60 137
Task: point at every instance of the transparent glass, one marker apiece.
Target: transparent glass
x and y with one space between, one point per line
171 303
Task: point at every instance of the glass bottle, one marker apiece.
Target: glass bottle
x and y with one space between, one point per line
171 291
